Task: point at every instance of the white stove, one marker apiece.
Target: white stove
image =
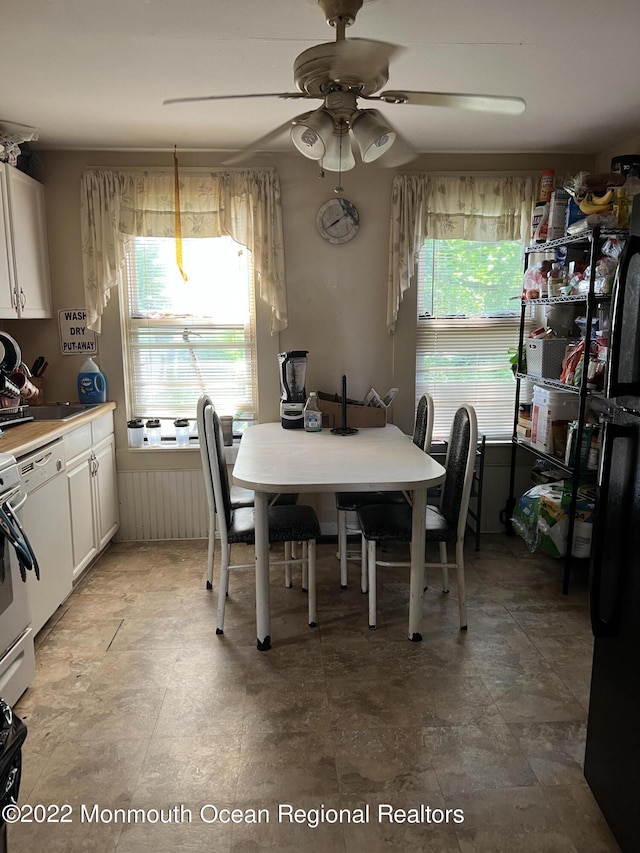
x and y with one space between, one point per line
17 658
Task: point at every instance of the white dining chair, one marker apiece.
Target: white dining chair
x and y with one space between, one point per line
445 524
239 497
352 501
292 523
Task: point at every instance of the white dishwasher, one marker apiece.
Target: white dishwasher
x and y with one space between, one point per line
46 519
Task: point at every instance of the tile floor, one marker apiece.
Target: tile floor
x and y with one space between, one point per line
137 704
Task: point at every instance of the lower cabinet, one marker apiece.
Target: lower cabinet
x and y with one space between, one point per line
91 481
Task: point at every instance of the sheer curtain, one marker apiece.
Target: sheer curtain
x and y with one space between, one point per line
243 204
462 207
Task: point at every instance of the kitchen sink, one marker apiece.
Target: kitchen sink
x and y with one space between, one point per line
60 411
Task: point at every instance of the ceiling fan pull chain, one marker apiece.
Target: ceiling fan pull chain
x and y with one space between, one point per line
340 188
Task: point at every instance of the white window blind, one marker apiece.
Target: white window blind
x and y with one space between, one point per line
186 338
468 319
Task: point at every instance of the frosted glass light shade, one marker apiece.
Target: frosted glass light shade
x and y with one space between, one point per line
372 135
310 135
335 159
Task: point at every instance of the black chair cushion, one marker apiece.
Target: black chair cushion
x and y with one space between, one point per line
244 497
351 501
386 522
286 524
392 523
293 523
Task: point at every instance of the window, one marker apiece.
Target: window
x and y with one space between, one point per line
185 338
468 319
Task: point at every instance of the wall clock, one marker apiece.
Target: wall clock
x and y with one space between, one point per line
338 220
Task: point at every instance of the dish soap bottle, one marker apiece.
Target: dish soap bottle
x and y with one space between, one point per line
92 386
312 414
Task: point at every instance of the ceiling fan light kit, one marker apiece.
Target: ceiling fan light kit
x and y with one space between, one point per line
320 136
341 72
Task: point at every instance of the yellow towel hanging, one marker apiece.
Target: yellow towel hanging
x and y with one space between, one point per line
178 226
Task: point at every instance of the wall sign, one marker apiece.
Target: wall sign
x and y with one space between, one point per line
75 338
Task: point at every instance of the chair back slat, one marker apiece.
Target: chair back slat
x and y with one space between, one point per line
203 402
423 428
460 463
219 465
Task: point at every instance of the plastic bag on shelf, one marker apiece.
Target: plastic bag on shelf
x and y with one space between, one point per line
604 274
572 365
612 247
534 284
575 184
541 518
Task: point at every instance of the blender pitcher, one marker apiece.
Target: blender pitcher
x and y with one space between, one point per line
293 394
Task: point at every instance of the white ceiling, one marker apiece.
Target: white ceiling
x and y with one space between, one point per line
94 73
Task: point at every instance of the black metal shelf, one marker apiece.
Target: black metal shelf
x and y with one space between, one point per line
593 239
593 234
556 383
540 454
559 300
548 383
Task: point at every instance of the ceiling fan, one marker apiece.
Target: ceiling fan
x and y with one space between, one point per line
340 73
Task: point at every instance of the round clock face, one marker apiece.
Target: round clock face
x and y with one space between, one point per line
338 220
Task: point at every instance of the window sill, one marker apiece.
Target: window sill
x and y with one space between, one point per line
171 446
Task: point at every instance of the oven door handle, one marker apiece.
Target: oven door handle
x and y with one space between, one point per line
12 529
22 501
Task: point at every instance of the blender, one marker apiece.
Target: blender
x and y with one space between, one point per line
293 395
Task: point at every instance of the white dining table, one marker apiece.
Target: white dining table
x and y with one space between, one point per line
273 459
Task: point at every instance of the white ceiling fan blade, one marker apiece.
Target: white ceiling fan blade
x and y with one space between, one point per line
481 103
285 95
356 57
257 144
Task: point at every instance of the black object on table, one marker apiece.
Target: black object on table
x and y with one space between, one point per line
344 429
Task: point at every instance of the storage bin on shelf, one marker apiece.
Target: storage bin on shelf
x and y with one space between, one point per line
545 356
551 412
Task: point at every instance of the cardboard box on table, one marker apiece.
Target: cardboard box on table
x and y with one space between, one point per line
358 415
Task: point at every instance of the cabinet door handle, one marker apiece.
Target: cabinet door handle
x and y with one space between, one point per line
23 298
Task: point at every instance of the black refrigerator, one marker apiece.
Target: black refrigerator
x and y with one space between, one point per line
612 757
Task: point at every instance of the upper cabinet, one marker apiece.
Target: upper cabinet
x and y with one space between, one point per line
25 288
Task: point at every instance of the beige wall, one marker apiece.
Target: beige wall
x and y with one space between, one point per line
336 294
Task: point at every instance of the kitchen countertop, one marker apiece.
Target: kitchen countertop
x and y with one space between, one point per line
25 438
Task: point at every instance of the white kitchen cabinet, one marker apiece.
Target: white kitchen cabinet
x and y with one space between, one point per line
25 287
91 482
7 296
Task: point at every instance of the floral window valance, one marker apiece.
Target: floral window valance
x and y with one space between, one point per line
461 207
244 205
